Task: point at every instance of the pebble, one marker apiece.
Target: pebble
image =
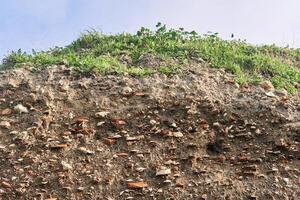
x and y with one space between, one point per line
178 134
66 166
100 123
5 124
126 91
140 169
84 150
270 94
102 114
6 111
21 109
287 181
163 172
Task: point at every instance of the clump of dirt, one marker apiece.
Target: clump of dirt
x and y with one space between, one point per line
196 135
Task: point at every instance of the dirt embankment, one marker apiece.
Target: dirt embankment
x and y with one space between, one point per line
196 135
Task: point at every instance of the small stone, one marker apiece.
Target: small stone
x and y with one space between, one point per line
80 189
21 109
126 91
174 125
136 185
5 124
140 169
115 137
66 166
267 85
86 151
163 172
58 146
109 141
270 94
100 123
102 114
153 122
178 134
6 111
140 137
287 181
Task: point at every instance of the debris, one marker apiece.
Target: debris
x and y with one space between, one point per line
122 154
136 185
59 146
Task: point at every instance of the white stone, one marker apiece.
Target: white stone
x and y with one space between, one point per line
163 172
177 134
21 109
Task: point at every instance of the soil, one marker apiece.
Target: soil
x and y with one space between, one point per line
195 135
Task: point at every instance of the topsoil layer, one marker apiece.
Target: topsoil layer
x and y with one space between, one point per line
65 134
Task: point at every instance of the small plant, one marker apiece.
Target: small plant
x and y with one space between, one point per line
103 53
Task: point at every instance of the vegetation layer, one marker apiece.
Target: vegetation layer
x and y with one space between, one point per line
167 50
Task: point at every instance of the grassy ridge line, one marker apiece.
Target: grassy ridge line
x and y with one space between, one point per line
172 47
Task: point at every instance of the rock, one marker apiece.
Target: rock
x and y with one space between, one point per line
140 137
109 141
287 182
177 134
4 124
6 111
85 151
163 172
270 94
204 196
136 185
140 169
58 146
100 123
153 122
126 91
102 114
21 109
267 85
66 166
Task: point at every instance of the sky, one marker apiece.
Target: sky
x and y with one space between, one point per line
41 24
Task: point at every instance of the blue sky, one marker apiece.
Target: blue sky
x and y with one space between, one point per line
40 24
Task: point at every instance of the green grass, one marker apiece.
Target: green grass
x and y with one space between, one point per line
171 48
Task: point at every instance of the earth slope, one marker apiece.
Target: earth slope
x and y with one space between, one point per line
66 134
